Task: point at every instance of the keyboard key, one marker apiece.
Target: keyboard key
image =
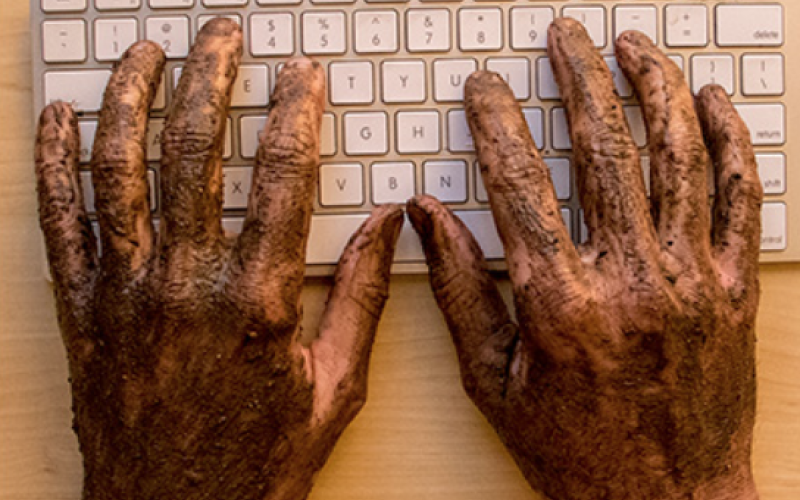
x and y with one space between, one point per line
204 19
251 87
64 41
480 188
428 30
459 138
678 60
480 29
767 123
225 3
236 182
366 133
593 19
516 71
112 37
686 25
560 129
392 182
547 87
324 33
635 17
449 77
636 123
481 224
171 4
83 89
327 145
534 117
160 100
762 74
88 129
341 184
155 128
329 235
529 27
446 180
117 4
646 174
418 132
566 217
63 5
250 128
272 34
749 25
172 33
712 68
403 81
560 175
772 171
278 2
376 31
351 82
773 226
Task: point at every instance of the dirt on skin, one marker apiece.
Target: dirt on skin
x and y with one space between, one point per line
188 377
629 372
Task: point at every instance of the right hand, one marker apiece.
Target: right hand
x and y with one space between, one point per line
629 372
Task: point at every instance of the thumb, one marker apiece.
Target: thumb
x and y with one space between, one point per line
340 356
480 324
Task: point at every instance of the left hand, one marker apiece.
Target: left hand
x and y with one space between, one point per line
189 380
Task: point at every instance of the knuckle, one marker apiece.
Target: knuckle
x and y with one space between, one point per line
182 143
294 152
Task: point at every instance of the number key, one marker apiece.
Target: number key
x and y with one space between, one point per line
376 31
428 30
529 27
324 32
272 34
480 29
172 33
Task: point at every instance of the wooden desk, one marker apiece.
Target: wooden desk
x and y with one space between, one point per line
417 438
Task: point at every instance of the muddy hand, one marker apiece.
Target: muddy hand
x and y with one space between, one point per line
629 370
188 377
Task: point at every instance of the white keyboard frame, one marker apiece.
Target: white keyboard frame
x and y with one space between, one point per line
791 98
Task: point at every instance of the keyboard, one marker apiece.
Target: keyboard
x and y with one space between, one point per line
395 123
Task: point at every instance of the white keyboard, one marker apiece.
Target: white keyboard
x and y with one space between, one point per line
395 123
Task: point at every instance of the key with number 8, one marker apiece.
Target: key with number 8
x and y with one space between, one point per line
480 29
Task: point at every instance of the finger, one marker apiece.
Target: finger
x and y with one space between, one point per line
483 332
119 169
71 247
521 193
268 260
737 208
191 166
610 181
340 356
679 161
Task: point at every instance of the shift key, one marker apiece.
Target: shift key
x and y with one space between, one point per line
82 89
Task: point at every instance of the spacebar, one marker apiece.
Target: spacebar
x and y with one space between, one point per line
331 232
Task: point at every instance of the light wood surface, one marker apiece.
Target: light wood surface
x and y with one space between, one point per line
417 438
